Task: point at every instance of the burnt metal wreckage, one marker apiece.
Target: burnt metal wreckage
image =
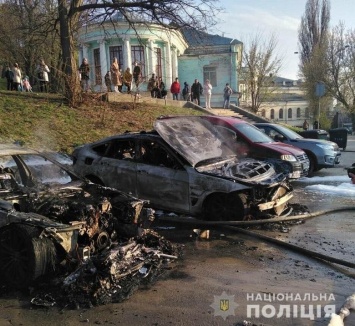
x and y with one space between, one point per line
76 243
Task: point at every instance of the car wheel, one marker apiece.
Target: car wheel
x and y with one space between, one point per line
312 165
23 255
226 207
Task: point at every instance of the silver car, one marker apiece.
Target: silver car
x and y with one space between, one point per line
185 165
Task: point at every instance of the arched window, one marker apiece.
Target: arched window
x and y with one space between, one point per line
298 112
263 113
281 114
306 112
272 114
289 113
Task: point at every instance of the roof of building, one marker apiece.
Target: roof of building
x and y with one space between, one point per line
198 38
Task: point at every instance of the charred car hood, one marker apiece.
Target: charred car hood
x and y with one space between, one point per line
194 138
197 140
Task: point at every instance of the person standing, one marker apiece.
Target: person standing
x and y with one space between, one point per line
175 89
9 75
137 75
207 89
108 82
116 77
152 85
305 125
42 73
196 91
127 80
186 92
17 81
84 70
227 92
161 91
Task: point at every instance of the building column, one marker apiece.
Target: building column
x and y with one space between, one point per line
168 69
152 59
174 63
103 62
127 56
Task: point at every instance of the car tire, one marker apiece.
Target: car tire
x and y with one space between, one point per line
226 207
312 165
24 256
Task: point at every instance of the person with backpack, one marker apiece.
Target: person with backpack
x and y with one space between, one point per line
227 92
186 92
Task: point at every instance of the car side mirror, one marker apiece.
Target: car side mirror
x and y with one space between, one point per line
279 138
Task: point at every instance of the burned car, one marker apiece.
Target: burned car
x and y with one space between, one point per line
49 216
187 166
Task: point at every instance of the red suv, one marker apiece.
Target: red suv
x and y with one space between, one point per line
252 142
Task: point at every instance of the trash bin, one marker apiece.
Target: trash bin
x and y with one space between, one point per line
315 134
339 136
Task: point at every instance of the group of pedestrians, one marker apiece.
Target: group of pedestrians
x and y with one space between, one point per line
197 90
156 87
115 79
17 81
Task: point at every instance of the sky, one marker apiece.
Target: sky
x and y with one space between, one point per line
243 19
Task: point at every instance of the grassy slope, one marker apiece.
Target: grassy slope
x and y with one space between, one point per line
45 121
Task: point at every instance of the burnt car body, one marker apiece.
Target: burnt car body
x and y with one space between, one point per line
48 214
185 165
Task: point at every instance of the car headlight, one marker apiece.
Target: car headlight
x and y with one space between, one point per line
289 158
325 146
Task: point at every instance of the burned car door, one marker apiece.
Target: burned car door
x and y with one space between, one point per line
161 178
116 166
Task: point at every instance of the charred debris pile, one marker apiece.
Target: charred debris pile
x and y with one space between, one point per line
112 275
78 247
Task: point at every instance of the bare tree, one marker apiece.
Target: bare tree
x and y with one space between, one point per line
340 80
259 66
172 14
313 41
30 35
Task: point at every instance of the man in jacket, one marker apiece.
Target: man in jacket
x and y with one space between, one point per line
196 91
175 89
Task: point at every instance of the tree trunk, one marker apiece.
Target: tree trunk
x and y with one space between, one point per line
69 64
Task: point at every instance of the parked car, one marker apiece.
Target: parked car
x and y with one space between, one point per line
252 142
49 214
321 153
185 165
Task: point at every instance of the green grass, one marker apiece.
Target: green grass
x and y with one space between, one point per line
44 121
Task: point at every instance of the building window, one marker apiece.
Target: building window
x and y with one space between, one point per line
298 112
281 114
158 66
272 114
211 74
289 113
97 66
116 52
137 53
263 113
306 112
